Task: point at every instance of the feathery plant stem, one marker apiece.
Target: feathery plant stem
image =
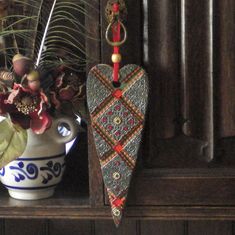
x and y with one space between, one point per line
45 34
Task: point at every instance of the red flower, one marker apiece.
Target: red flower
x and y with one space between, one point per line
16 117
26 108
67 93
67 87
3 106
40 123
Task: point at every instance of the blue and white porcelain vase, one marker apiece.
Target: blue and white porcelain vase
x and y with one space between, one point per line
35 174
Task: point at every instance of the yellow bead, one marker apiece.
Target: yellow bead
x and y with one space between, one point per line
116 58
117 120
116 176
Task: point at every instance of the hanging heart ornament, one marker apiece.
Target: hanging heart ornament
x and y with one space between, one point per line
117 119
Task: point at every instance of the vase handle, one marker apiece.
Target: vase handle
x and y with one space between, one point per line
64 121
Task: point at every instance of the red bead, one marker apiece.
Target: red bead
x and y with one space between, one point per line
119 202
125 128
125 114
118 133
104 119
118 148
118 107
131 122
117 94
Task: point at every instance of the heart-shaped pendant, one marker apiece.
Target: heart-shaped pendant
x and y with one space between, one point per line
117 116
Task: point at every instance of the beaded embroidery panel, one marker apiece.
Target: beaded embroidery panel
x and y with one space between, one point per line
117 116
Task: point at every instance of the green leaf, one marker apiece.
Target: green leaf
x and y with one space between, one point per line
13 140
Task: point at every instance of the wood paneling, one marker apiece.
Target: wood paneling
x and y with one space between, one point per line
197 71
163 67
2 227
224 93
161 60
176 42
127 227
107 227
175 190
209 228
224 54
26 227
180 64
63 227
162 228
93 51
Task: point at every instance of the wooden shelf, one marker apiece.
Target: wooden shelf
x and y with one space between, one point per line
59 206
77 206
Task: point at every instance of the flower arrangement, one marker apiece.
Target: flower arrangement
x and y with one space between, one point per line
26 103
41 52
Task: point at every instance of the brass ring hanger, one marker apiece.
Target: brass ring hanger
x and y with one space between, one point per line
113 18
115 44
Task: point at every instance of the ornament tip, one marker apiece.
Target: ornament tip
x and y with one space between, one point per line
117 221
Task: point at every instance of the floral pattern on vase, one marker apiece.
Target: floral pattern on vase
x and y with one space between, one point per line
21 172
2 171
51 170
30 171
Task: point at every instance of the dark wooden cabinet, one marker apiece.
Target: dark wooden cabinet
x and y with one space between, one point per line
186 160
186 166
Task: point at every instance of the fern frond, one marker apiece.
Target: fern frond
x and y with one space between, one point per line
20 27
64 35
48 31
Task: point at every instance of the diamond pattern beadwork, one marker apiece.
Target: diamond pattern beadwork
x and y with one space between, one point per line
117 116
117 120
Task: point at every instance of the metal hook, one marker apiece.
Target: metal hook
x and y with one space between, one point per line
109 10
